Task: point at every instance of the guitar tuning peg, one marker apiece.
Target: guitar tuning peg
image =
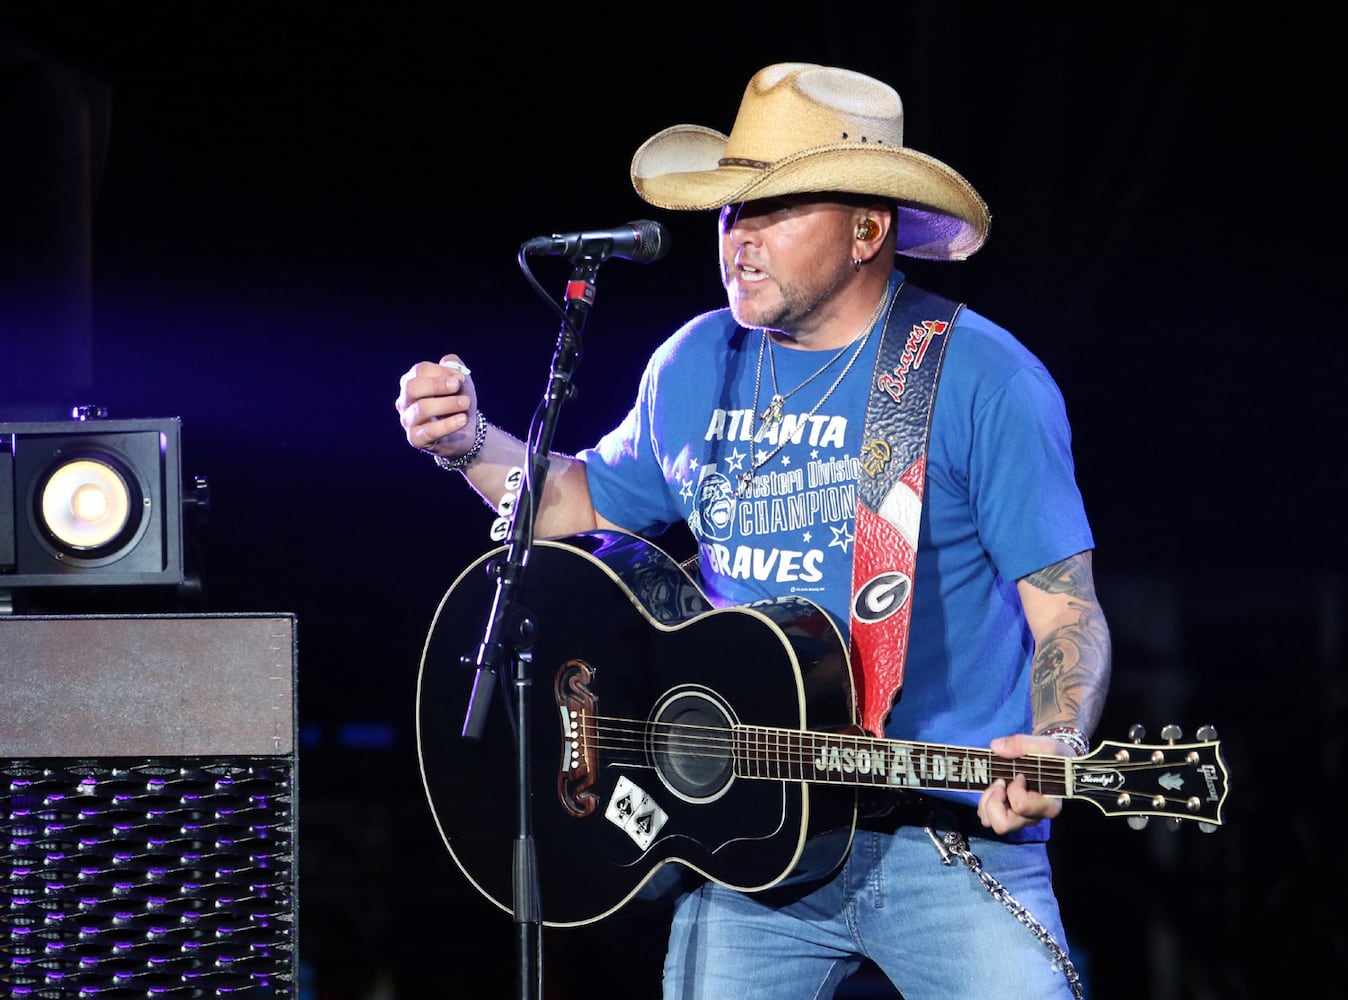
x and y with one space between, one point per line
1207 733
1208 827
1138 822
1174 823
1137 732
1171 733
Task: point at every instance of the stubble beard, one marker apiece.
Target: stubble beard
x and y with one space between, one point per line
791 310
752 312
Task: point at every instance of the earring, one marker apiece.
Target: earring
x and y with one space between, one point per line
856 263
867 229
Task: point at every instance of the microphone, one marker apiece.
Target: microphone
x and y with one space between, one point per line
643 241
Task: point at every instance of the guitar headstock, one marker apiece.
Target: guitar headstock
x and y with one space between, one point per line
1179 781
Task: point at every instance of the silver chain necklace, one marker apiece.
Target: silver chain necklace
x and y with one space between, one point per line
772 415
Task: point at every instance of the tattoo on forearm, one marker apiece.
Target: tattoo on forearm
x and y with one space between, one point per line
1071 665
1070 576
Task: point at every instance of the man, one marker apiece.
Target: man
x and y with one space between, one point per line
813 434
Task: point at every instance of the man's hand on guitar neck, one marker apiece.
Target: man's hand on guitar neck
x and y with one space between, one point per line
1005 806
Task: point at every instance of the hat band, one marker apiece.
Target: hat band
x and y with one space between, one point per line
739 161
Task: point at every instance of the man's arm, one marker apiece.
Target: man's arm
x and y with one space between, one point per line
1072 666
566 507
1072 658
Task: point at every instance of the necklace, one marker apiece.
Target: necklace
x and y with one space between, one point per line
773 416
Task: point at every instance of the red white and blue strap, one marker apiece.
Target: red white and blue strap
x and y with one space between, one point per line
889 494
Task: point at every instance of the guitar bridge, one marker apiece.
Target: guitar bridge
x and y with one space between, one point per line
577 705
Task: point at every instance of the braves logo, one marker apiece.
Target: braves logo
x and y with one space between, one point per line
881 596
914 350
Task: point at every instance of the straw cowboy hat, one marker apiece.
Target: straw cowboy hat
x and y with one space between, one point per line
806 128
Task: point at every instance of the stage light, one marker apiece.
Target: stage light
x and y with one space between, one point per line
87 506
90 502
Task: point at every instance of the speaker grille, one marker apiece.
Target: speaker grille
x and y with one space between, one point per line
147 877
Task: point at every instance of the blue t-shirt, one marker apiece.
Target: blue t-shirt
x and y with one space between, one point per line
1000 501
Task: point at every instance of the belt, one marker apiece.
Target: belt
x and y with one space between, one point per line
887 811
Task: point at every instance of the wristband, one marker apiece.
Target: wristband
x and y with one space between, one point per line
1072 737
466 459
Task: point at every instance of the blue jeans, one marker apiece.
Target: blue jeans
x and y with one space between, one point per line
933 929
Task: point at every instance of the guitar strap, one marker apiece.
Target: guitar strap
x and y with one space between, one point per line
884 555
889 494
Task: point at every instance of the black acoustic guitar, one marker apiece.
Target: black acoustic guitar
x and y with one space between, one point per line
723 740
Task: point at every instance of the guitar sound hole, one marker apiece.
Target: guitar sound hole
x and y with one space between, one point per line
690 743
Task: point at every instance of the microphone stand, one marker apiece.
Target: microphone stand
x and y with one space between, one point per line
509 625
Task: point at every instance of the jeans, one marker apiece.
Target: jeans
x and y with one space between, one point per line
933 929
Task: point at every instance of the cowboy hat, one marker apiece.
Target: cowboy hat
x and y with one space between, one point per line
807 128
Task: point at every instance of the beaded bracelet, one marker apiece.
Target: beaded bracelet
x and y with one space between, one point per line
466 459
1072 737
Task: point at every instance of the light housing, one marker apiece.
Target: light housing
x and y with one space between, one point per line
91 502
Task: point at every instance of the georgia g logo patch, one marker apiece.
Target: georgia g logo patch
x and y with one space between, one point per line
881 596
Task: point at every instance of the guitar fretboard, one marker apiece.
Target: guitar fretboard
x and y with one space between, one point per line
827 758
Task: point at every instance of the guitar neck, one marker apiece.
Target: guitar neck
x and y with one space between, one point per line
1180 781
872 762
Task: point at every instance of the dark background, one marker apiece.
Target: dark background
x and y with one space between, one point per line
292 203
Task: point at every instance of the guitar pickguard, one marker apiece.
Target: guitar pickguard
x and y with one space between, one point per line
635 813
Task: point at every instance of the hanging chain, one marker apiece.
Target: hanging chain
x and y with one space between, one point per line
954 843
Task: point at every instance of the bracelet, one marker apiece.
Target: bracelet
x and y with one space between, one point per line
466 459
1072 737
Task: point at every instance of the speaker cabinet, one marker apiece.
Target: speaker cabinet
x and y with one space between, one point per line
148 806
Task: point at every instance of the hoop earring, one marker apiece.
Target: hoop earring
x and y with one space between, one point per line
856 263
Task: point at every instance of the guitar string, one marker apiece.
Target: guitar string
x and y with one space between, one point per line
711 741
722 736
718 736
717 744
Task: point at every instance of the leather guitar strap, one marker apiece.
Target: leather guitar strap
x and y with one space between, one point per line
889 494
